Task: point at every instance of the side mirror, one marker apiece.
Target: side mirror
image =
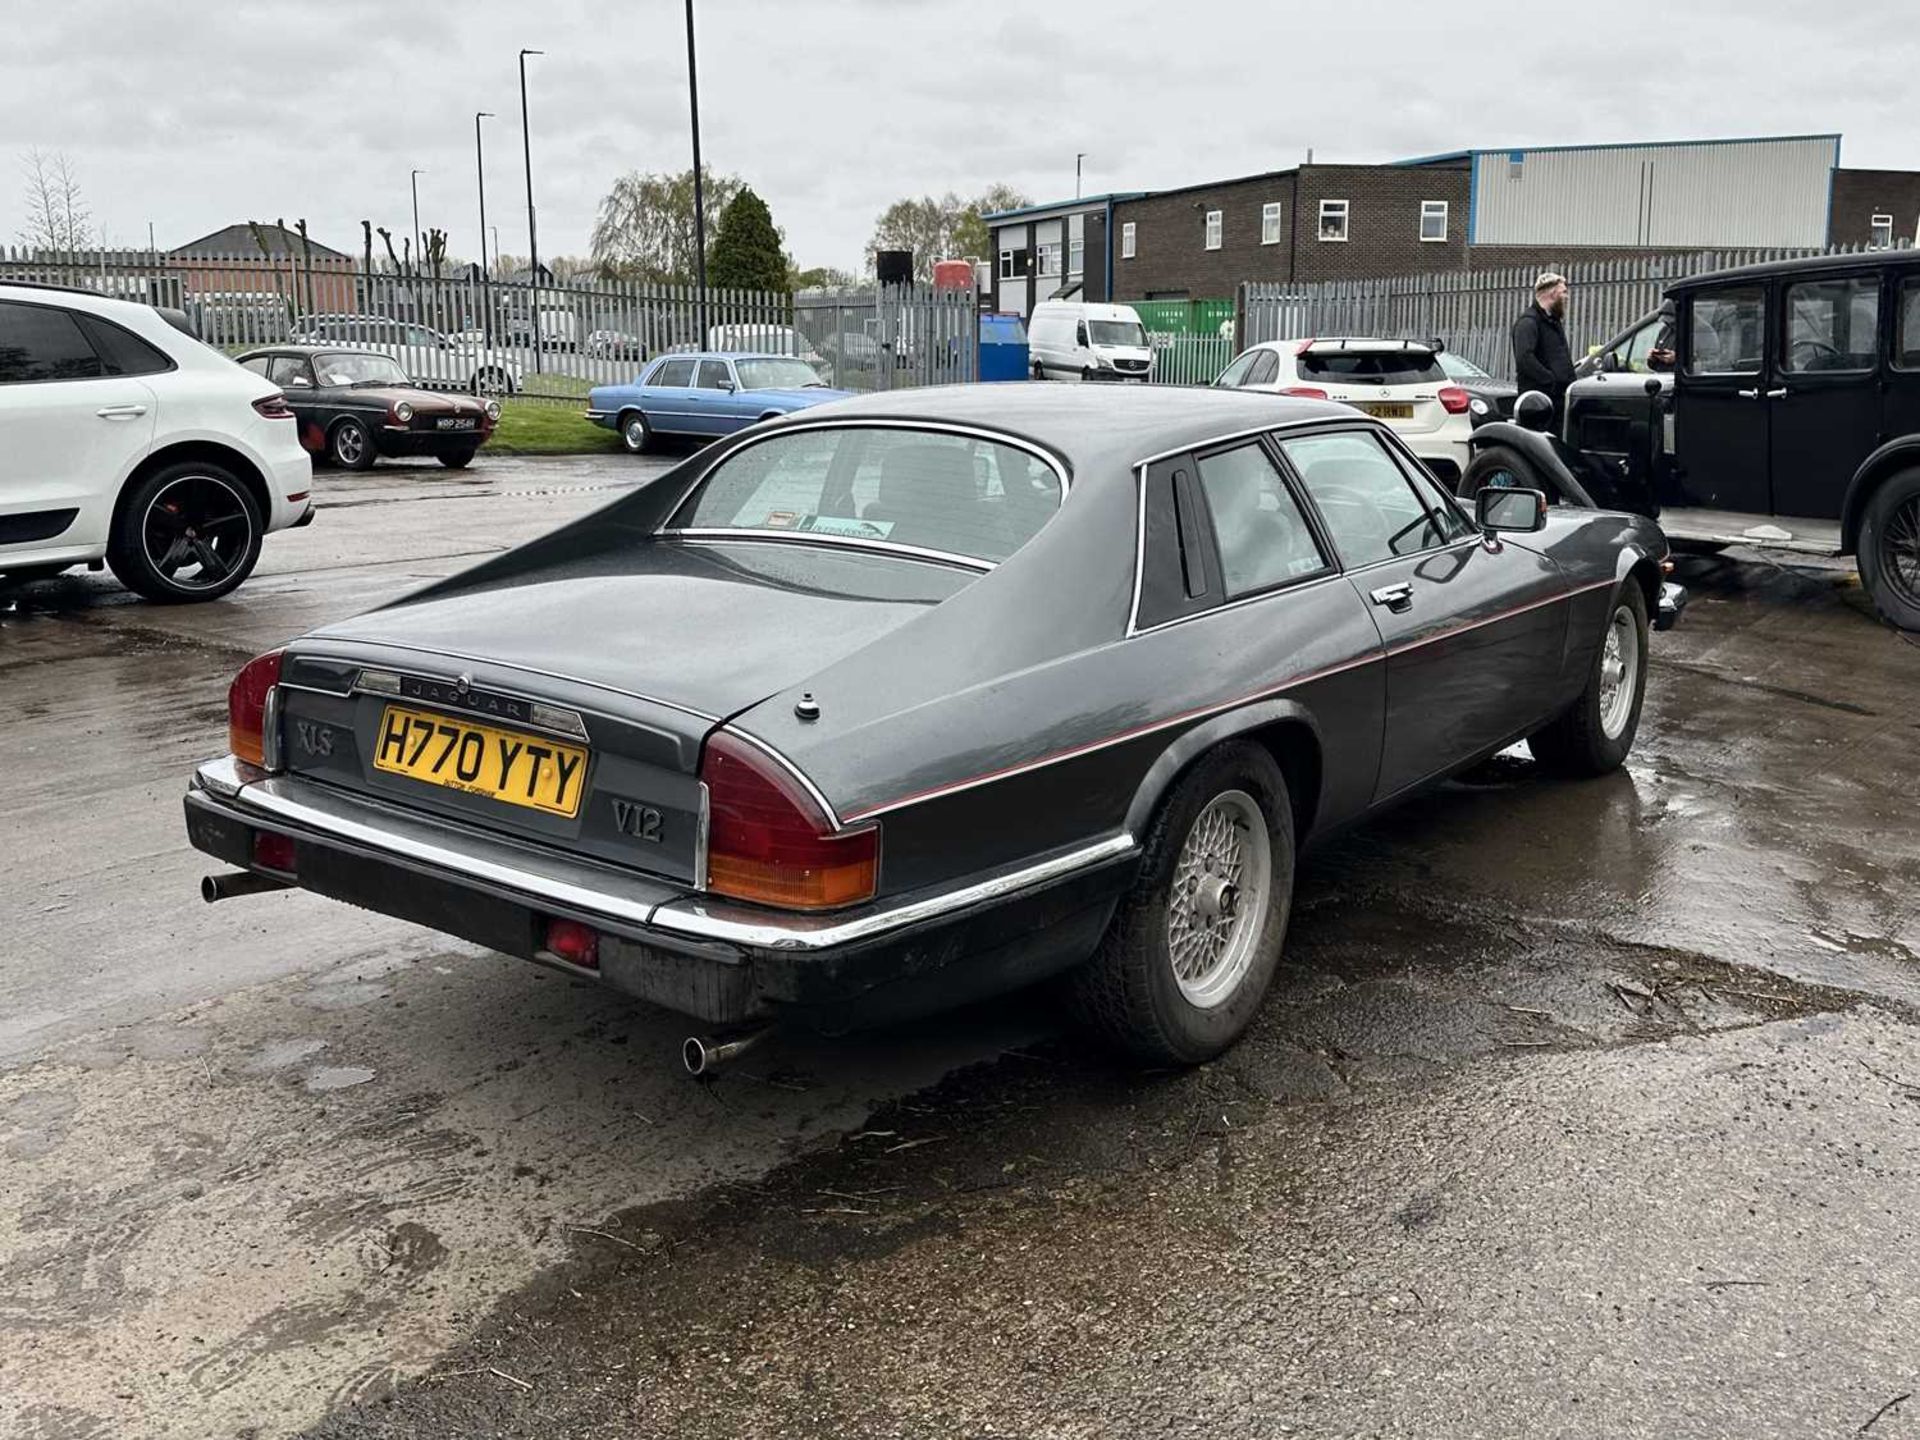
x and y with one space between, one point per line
726 385
1519 512
1080 335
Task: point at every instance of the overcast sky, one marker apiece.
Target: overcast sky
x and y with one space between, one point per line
192 115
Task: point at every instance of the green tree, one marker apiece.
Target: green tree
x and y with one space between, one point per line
943 227
645 228
746 250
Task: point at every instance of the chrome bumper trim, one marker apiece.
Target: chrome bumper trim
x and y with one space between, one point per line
668 910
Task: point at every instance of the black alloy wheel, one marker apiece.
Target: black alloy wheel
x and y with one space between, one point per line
188 532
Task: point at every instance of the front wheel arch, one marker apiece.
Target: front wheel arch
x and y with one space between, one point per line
1876 470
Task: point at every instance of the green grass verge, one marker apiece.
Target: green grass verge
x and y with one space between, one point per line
540 427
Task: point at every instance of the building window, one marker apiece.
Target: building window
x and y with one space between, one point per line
1126 241
1333 219
1269 224
1076 255
1882 232
1009 265
1049 257
1213 229
1433 220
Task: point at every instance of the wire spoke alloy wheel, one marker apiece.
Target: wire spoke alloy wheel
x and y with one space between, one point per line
1217 907
1619 672
1900 551
195 532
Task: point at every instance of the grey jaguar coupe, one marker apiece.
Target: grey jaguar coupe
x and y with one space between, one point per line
920 697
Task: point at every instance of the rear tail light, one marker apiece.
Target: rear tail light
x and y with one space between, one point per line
274 407
768 841
1305 392
247 707
273 852
1454 400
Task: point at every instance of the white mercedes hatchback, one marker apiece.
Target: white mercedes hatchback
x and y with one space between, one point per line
1398 381
126 440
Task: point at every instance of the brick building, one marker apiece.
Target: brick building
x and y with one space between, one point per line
1875 207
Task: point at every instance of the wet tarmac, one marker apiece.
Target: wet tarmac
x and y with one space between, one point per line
1586 1109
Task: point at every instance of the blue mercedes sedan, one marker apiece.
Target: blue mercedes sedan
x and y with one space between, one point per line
706 394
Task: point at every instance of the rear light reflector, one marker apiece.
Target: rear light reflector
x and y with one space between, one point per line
1454 400
273 852
574 943
247 707
274 407
769 842
1305 392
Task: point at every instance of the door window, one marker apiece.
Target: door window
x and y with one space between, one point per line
1907 343
1262 537
1726 331
290 372
1266 366
1832 324
1370 508
39 342
1236 373
714 375
674 374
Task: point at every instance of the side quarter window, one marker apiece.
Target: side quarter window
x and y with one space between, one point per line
1179 570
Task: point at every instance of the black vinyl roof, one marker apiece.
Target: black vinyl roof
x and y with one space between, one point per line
1908 259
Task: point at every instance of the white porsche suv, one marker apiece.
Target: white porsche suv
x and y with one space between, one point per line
126 440
1398 381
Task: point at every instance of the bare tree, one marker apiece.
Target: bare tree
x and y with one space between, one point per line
57 214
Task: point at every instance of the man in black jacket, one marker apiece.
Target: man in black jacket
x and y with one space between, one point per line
1541 360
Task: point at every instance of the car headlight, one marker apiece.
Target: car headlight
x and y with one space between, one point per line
493 409
403 412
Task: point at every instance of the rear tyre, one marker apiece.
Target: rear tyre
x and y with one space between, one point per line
1500 466
187 532
636 436
1182 969
1594 734
350 446
455 459
1890 549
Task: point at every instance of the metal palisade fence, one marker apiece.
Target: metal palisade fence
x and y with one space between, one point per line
1472 312
539 339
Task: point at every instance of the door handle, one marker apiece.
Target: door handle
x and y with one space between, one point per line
1776 394
120 412
1396 598
1748 394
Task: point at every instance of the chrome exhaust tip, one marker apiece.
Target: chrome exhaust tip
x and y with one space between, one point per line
237 883
703 1054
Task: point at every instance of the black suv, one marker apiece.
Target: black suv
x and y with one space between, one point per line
1774 406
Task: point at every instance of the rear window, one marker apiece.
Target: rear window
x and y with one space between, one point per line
955 494
1391 367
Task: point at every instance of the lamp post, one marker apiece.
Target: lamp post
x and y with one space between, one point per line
480 180
419 240
699 195
533 236
1076 173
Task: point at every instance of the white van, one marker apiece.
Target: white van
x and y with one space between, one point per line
1077 340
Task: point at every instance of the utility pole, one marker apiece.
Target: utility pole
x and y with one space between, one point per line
419 240
533 237
1076 173
699 194
480 179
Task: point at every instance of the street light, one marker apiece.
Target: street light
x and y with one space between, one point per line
1076 173
480 180
419 239
533 238
699 197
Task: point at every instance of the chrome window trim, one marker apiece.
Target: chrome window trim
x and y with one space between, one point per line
272 754
847 542
794 423
579 736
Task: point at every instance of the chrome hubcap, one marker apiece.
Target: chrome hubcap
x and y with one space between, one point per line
1222 888
349 445
636 434
196 531
1619 672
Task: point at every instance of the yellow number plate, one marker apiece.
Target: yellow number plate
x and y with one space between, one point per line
505 765
1387 411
